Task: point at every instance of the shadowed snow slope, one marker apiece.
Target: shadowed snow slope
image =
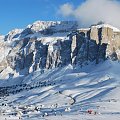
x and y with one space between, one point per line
67 93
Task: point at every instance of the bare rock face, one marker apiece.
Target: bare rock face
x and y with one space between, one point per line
85 50
15 58
40 55
94 34
53 55
66 52
36 48
107 39
13 34
78 41
116 43
59 54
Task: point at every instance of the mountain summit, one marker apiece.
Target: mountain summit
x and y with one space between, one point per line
56 70
48 44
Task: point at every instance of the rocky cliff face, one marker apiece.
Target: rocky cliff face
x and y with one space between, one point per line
46 45
108 38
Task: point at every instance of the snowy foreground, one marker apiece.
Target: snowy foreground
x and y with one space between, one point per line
88 93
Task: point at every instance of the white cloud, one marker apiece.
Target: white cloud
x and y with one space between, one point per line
66 9
93 11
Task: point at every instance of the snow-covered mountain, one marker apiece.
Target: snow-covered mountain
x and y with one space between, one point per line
46 45
56 68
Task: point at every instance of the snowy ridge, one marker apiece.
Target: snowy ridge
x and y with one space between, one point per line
13 34
102 26
55 25
2 37
108 26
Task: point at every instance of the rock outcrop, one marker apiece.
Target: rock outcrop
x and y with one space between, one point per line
46 45
108 37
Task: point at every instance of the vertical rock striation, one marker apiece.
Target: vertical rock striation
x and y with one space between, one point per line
39 49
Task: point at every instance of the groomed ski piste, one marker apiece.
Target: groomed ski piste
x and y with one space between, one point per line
69 93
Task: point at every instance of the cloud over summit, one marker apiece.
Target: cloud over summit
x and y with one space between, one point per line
93 11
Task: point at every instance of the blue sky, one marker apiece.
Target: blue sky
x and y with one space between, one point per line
20 13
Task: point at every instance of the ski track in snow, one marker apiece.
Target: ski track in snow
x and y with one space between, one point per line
66 93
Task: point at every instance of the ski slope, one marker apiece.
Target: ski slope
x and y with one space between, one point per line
66 93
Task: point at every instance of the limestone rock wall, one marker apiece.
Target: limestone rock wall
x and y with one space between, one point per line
81 47
106 37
